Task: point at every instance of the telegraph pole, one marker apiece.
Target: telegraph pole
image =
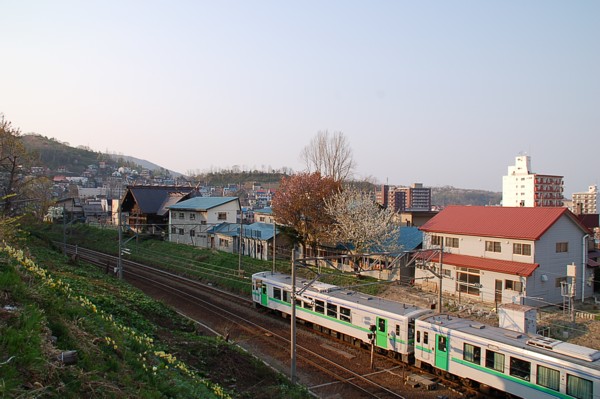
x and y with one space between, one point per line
120 261
441 277
293 320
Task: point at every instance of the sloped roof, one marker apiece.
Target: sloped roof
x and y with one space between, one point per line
150 199
495 265
495 221
266 211
410 237
171 199
202 203
260 231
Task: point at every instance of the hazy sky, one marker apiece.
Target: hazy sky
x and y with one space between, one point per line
437 92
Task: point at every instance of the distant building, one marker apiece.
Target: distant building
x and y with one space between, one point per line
586 203
401 199
523 188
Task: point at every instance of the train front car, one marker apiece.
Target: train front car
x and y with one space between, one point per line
348 315
506 360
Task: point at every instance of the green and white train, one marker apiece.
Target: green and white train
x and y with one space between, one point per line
504 360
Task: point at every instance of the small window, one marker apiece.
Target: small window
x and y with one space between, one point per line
320 306
425 338
181 215
442 343
419 336
397 330
286 296
522 249
520 368
548 377
562 247
332 310
579 388
493 246
308 304
192 233
436 240
173 230
222 216
452 242
513 285
192 216
173 215
472 353
559 281
277 293
382 325
181 232
494 360
344 314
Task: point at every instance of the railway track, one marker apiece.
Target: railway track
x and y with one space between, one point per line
203 296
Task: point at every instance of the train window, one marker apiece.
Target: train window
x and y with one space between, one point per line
344 314
397 329
299 303
277 293
411 331
441 343
382 325
579 388
472 353
332 310
425 338
520 368
319 306
494 360
308 305
548 377
418 336
286 296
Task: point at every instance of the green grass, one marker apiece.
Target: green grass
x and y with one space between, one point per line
126 342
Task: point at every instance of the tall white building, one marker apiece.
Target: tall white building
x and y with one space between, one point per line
523 188
586 203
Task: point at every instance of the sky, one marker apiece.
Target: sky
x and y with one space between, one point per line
435 92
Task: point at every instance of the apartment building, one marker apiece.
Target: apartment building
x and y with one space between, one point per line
586 203
523 188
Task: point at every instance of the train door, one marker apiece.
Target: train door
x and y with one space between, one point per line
263 295
442 345
382 333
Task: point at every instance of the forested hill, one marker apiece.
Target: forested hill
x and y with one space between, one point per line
448 195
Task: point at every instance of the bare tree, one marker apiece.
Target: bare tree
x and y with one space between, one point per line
13 159
330 155
361 224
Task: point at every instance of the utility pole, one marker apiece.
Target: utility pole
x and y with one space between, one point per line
274 250
293 320
120 261
441 277
240 249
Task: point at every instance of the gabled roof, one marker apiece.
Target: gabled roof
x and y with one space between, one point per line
410 238
495 221
476 262
151 199
265 211
260 231
202 203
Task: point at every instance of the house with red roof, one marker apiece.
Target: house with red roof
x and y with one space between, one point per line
506 254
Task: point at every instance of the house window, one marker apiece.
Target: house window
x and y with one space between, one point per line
222 216
562 247
513 285
522 249
494 360
493 246
520 368
580 388
436 240
192 216
203 222
223 242
173 215
548 377
452 242
468 281
181 215
173 230
192 233
181 232
472 353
